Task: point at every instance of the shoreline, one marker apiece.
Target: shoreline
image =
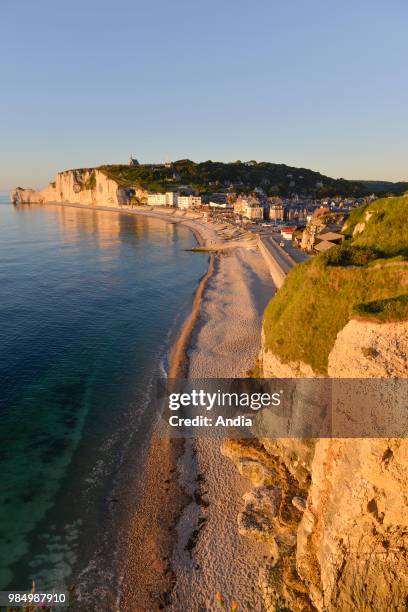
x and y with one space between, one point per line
171 503
152 533
153 537
185 527
178 354
156 570
206 233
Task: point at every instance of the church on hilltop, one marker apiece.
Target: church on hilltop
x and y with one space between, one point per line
133 161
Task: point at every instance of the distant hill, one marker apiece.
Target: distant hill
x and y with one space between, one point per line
210 176
383 187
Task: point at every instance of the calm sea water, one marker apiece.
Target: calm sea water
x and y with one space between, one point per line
89 301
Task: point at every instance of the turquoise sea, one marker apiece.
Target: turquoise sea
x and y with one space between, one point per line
89 303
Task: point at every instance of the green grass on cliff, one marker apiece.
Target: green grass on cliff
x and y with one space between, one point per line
390 309
152 178
386 226
366 277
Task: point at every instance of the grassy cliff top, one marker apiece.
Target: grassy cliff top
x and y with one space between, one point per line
383 225
210 176
366 276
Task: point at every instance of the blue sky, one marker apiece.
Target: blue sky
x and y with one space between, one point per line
320 84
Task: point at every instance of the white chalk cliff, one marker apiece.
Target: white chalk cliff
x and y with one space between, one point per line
83 186
334 511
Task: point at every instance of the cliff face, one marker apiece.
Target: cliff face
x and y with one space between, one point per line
333 510
83 186
339 531
352 540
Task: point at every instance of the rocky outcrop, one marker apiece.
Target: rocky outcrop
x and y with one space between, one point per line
332 510
352 539
355 528
271 514
360 227
366 349
83 186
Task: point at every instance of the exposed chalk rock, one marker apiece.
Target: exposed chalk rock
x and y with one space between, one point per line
256 472
347 495
257 518
82 186
365 349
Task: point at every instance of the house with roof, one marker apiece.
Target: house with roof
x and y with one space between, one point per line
287 232
326 240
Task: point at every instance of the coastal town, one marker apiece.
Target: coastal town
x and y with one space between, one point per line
297 210
302 220
255 313
204 307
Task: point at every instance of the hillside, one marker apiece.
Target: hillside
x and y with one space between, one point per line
385 187
211 176
366 277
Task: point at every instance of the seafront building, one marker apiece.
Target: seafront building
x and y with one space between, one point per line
162 199
190 201
254 212
173 198
220 205
276 210
249 207
239 205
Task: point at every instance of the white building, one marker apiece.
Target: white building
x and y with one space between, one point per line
162 199
156 199
253 211
223 205
249 207
171 198
185 202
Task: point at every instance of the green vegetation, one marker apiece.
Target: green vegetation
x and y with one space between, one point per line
349 255
366 276
385 187
209 176
152 178
385 226
391 309
90 183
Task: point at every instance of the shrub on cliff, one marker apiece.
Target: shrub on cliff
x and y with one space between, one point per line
391 309
349 255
